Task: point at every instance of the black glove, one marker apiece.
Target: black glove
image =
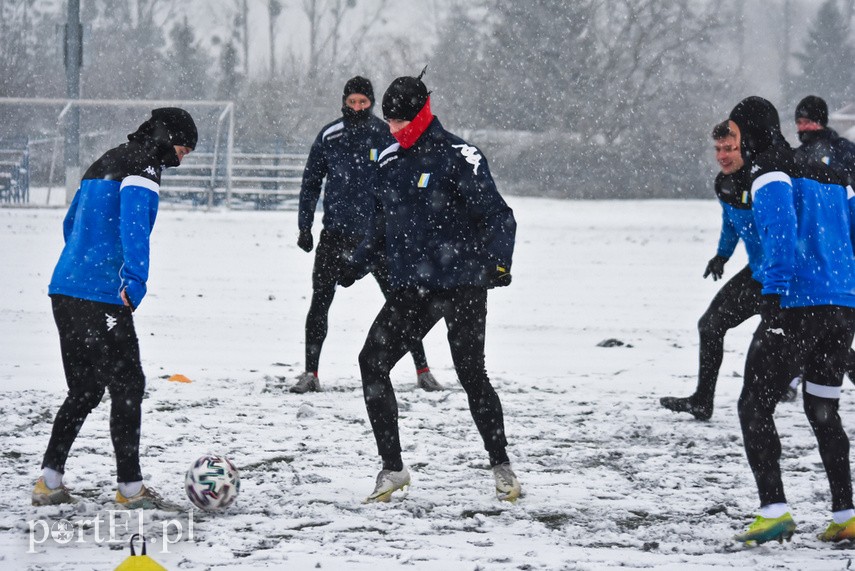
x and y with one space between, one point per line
304 241
347 276
500 276
715 267
770 307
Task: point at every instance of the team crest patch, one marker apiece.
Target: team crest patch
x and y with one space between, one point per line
745 195
423 180
372 155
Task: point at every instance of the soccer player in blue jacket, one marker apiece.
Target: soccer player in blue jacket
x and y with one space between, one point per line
345 154
823 144
739 298
448 237
99 281
805 215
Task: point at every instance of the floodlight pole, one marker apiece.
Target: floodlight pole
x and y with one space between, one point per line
73 52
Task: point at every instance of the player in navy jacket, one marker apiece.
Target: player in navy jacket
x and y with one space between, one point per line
448 236
739 298
806 220
99 281
345 154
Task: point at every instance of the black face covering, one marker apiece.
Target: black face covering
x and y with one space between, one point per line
355 116
807 137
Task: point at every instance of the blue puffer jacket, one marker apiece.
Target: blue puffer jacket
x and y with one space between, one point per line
345 153
439 216
108 225
806 220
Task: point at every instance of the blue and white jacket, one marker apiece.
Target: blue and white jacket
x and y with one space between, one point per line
345 153
439 217
737 220
108 225
806 220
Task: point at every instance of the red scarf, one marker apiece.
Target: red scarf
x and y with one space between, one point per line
408 136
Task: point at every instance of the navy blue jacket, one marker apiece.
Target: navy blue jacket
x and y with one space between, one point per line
439 218
345 153
826 146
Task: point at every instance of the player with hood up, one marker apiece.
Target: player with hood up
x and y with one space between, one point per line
99 281
805 216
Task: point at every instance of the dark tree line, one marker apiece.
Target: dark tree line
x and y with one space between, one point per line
589 98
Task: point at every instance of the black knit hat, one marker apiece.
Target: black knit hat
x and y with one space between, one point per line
174 126
359 85
405 97
813 108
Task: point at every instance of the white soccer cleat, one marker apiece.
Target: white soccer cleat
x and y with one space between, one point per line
427 382
306 382
507 485
388 481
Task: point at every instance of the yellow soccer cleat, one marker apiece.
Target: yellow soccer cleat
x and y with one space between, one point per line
44 496
839 531
768 529
145 499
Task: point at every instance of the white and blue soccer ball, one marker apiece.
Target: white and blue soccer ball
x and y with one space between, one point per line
212 483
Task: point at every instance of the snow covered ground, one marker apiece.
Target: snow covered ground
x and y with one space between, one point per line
610 478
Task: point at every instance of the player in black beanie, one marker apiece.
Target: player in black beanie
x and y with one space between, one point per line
358 84
404 98
813 108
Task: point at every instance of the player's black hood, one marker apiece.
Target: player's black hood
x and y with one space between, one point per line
759 126
167 127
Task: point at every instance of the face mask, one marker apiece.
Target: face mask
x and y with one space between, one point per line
168 156
355 116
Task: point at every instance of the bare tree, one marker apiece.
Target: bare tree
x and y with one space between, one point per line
274 10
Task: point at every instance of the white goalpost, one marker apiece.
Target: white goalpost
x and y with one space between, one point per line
105 116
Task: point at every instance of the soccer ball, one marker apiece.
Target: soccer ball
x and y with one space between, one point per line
212 483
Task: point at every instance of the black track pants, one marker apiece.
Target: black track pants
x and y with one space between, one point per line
735 302
815 340
330 258
100 352
409 315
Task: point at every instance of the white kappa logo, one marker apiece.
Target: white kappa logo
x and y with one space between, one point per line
755 168
471 154
111 321
150 170
777 331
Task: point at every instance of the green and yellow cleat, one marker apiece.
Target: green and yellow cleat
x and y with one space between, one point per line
145 499
769 529
839 531
44 496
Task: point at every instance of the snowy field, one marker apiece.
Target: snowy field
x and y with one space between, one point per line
610 478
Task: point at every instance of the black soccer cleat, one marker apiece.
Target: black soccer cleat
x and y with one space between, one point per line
688 404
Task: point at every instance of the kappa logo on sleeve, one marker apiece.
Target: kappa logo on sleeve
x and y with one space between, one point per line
150 170
472 155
